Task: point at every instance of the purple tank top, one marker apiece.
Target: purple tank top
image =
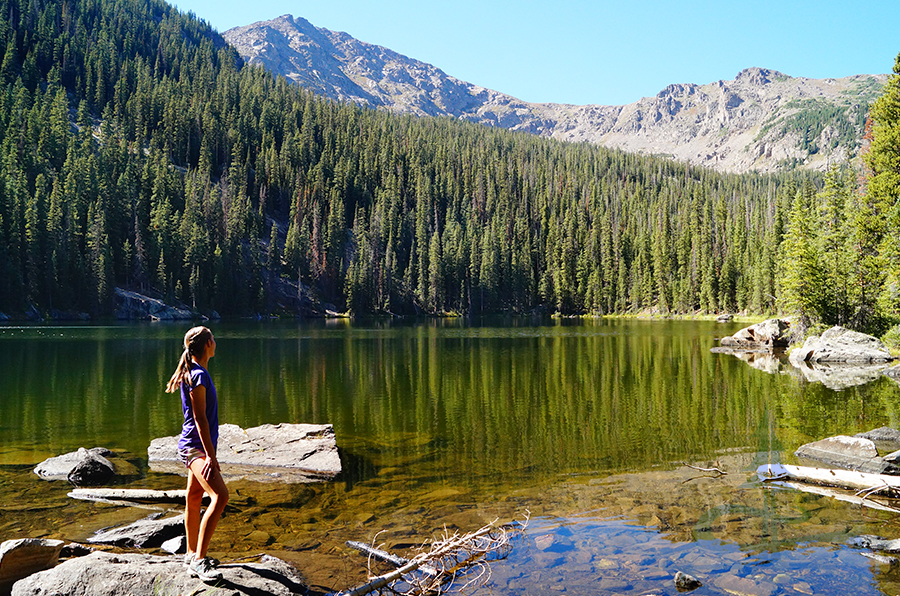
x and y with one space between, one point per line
190 434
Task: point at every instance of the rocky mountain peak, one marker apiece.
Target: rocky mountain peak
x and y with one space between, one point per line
758 76
762 120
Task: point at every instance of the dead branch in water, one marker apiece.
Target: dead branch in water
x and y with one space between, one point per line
708 470
447 559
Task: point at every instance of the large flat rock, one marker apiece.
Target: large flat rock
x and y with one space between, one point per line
109 574
848 453
269 453
841 345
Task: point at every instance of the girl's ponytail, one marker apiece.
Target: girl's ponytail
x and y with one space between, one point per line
195 341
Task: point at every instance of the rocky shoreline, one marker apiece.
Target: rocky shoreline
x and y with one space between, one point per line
134 305
838 358
284 453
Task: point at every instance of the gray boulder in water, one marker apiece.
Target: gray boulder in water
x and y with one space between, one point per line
290 453
768 334
841 345
848 453
84 460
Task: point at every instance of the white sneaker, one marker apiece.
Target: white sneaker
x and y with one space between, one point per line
188 557
203 569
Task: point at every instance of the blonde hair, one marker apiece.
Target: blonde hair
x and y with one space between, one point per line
195 341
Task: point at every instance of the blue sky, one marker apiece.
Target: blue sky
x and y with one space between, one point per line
599 51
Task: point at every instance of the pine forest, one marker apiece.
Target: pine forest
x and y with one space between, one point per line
139 152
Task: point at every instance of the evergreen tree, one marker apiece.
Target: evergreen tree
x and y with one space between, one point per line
833 246
800 275
883 186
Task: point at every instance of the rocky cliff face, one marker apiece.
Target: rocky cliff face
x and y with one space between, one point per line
762 120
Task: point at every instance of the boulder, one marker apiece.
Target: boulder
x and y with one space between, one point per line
289 453
848 453
21 558
686 583
768 334
92 470
177 545
150 532
884 437
109 574
726 318
59 468
841 345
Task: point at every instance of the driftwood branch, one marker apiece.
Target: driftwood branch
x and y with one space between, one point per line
707 470
815 480
125 494
448 557
856 481
382 555
132 497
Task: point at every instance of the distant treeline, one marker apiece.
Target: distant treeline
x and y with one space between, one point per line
193 175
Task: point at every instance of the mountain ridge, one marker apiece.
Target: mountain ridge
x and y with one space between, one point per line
762 120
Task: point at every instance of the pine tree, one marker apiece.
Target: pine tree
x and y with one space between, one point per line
834 246
800 276
883 186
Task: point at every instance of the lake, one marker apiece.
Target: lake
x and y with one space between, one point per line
582 425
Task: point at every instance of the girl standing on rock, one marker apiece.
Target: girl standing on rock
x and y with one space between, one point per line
197 449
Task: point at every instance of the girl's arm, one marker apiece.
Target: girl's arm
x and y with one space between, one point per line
198 404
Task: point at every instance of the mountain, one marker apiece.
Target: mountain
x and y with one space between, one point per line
762 120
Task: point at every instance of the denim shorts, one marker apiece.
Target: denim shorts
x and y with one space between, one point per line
187 455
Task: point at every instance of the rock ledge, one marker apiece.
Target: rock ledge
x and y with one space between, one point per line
289 453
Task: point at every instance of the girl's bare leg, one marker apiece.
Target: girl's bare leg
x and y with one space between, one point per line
218 494
192 511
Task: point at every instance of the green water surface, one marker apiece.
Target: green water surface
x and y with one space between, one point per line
582 425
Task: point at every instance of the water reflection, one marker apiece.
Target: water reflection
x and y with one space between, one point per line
837 376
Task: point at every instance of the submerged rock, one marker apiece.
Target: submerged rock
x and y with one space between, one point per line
21 558
109 574
841 345
849 453
685 582
270 453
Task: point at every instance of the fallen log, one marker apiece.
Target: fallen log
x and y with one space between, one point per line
126 494
382 555
859 481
